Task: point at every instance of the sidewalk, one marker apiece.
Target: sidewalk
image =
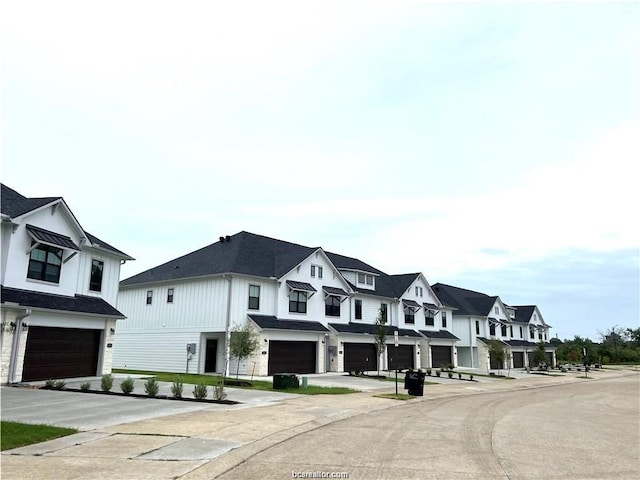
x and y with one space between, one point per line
206 443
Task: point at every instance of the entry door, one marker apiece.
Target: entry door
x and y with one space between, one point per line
211 354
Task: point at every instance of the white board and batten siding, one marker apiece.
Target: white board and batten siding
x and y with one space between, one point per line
110 275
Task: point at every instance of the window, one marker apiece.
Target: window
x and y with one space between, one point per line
444 319
521 332
496 309
298 302
170 295
477 327
45 263
409 315
383 311
540 336
254 297
369 279
511 331
316 269
492 330
332 306
361 278
95 282
358 309
365 279
149 297
503 330
532 333
418 291
429 320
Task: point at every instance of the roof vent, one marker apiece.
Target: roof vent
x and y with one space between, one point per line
221 239
228 238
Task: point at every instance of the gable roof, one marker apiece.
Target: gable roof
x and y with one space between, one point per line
349 263
14 205
524 313
466 301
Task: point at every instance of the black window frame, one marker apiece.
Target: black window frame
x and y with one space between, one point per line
149 297
443 317
492 330
369 279
358 309
170 294
409 315
385 312
43 273
429 318
254 301
95 280
299 303
503 330
332 306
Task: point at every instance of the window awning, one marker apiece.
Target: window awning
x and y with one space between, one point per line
431 306
301 287
336 292
494 321
46 237
411 304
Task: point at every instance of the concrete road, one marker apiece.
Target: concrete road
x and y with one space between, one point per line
586 430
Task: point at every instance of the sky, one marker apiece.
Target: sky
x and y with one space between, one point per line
490 146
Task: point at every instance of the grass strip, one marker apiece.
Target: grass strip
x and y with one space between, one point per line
15 434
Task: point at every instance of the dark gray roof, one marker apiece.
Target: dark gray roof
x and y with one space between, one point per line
368 328
348 263
467 302
524 313
49 301
52 238
269 322
244 253
15 204
519 343
488 340
443 334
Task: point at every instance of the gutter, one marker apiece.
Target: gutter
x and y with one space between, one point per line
15 345
227 331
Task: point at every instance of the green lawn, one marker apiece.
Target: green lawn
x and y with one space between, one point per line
14 434
193 379
393 396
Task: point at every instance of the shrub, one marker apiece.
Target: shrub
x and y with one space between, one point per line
127 385
471 377
151 387
450 374
59 385
429 371
437 373
107 382
200 391
49 384
176 388
85 386
219 393
459 376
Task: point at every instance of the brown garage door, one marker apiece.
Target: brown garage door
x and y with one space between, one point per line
400 357
292 357
441 357
518 359
360 356
61 353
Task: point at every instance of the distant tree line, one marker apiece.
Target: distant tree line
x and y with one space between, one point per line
616 345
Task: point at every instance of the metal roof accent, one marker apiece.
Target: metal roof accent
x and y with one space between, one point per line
338 292
440 334
270 322
53 239
411 304
300 286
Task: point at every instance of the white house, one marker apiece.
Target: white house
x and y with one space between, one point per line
479 318
59 290
314 311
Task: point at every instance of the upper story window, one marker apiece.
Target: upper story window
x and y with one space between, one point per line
520 332
511 331
170 295
358 304
418 291
477 327
444 319
496 309
316 270
532 332
254 297
332 306
429 318
149 297
492 329
409 315
503 330
298 302
45 263
95 282
365 279
383 312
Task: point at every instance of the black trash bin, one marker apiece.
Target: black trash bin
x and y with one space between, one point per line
414 382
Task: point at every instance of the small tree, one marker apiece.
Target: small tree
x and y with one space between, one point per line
380 335
539 355
244 343
497 353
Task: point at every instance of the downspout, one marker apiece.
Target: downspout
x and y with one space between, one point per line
227 331
16 345
470 340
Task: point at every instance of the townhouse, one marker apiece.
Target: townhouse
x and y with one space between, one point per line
479 318
59 290
314 311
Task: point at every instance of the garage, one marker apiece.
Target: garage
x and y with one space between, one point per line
400 357
360 357
292 357
441 357
518 359
53 352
